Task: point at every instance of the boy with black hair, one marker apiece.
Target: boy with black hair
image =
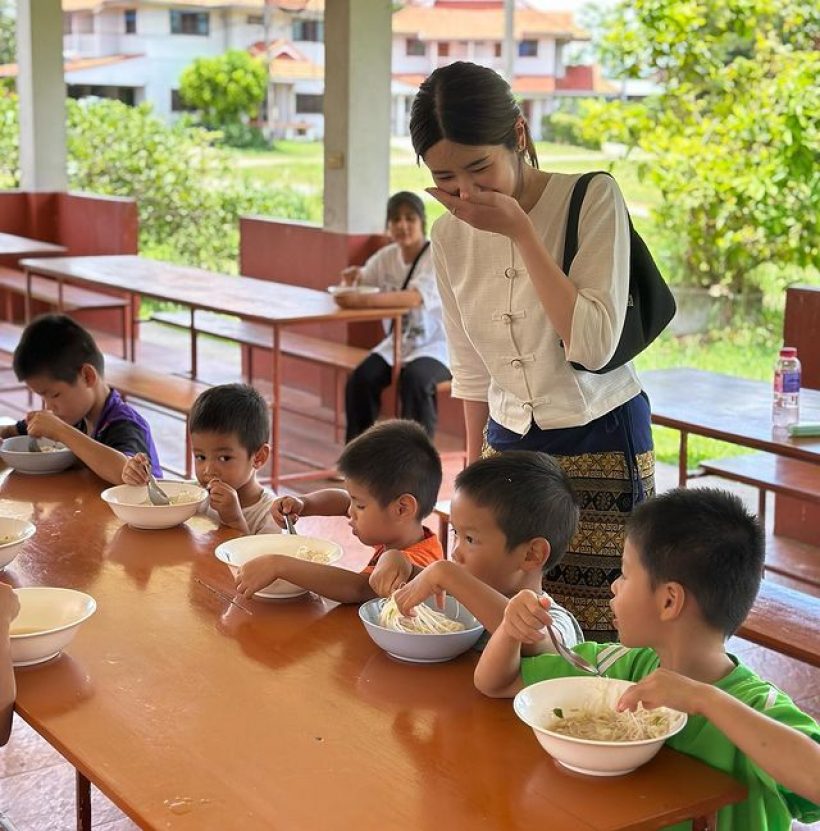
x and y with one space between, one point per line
513 516
229 426
692 566
392 474
59 361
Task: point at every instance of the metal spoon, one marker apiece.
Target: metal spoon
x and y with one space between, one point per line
156 495
289 524
568 655
33 446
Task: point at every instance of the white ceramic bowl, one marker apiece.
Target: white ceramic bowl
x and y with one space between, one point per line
342 289
422 649
534 706
15 453
47 622
237 552
130 503
18 531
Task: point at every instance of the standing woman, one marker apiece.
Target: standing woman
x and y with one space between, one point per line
514 320
403 273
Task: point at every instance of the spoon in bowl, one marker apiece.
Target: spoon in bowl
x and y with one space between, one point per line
156 495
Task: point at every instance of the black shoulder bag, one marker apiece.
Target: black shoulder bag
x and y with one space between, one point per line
409 276
650 305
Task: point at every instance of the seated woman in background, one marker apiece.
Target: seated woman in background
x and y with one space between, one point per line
403 272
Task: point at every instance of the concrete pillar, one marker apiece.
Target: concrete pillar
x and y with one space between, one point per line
41 88
357 114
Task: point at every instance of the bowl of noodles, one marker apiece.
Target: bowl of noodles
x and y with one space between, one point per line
131 504
52 457
428 637
13 533
235 553
575 721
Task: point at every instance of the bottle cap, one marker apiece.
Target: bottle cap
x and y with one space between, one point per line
788 352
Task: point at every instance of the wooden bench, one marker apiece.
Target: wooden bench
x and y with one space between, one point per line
768 472
786 621
74 298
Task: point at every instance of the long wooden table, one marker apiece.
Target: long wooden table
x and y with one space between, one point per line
191 714
13 247
724 407
277 305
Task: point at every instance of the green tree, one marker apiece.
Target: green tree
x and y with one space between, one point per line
732 137
7 33
224 89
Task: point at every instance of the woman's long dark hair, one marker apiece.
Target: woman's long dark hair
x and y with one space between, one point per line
467 104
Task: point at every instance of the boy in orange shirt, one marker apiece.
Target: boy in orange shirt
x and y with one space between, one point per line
392 475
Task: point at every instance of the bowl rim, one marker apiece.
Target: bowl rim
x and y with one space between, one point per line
90 611
461 632
223 547
51 453
680 723
106 496
29 531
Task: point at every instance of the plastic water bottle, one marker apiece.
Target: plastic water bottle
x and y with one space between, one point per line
786 401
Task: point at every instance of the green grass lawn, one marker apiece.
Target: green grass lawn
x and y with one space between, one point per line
746 350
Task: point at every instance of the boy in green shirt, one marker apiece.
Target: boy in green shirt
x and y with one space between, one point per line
692 565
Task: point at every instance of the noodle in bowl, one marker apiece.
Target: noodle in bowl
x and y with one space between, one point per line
574 721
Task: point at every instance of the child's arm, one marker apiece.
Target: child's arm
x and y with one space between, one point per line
8 431
498 673
330 581
391 571
106 462
790 757
225 501
9 606
326 502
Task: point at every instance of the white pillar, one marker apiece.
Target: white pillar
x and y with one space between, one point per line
357 114
41 88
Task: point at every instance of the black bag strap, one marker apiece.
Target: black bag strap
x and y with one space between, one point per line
409 276
574 214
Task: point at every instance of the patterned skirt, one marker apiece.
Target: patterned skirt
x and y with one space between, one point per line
611 463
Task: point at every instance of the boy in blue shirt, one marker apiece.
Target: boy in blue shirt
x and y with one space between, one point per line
692 566
59 361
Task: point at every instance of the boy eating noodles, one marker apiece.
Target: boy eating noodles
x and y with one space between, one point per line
692 566
392 474
513 516
58 360
229 426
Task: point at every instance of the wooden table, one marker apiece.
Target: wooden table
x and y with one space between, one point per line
734 410
12 246
190 714
277 305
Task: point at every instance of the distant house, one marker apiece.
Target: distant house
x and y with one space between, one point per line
136 50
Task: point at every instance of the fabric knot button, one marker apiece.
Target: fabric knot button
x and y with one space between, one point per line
516 363
527 405
506 317
510 272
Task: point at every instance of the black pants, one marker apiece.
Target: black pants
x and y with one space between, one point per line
417 392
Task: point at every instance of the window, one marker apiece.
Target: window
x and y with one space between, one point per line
415 48
443 49
497 50
255 20
130 16
309 30
528 49
190 23
310 103
178 104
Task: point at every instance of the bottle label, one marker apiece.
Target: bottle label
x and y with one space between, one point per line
787 382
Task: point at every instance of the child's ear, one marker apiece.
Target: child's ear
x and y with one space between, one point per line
671 601
537 554
261 456
88 375
406 506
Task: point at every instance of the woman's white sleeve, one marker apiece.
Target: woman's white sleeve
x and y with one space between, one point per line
600 272
471 378
373 269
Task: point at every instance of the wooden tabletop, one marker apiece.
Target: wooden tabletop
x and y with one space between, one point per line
736 410
13 246
190 714
247 297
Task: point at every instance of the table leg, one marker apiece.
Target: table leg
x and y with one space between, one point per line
83 797
60 298
194 367
276 408
683 459
708 822
396 369
27 307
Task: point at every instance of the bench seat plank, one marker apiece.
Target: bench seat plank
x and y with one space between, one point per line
789 477
47 291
